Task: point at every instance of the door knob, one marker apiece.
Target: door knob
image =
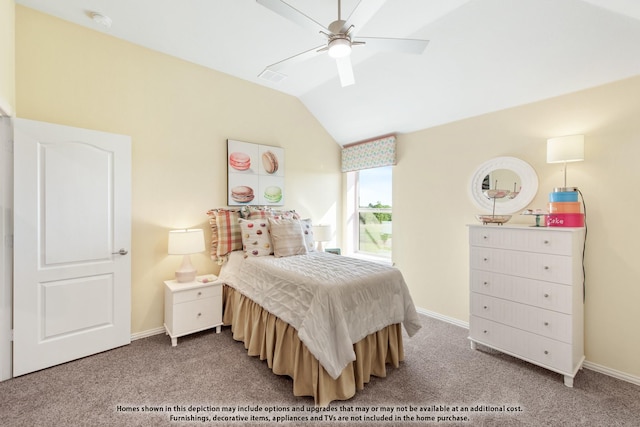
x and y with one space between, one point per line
122 251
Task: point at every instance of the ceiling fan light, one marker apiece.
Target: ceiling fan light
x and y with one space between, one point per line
339 48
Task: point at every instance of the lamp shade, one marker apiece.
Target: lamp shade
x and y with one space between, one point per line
184 242
565 149
322 233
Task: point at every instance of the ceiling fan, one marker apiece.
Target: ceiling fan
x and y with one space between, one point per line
340 36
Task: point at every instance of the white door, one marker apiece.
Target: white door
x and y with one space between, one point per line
72 234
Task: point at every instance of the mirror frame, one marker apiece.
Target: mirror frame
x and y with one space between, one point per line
528 183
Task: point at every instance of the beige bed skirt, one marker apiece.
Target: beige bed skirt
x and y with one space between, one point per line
275 341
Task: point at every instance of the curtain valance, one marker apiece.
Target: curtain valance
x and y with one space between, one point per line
369 154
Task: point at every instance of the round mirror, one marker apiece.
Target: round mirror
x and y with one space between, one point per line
511 182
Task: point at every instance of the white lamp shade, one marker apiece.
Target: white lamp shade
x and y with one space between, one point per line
184 242
322 233
565 149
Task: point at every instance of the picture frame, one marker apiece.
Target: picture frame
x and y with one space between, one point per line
335 251
255 174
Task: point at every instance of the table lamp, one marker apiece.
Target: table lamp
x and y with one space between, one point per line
186 242
565 149
321 234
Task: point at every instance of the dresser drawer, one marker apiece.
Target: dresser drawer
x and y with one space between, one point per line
543 241
197 293
548 295
528 346
543 322
552 268
196 315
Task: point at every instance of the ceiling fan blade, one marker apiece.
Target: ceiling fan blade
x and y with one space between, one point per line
397 45
297 58
292 14
345 71
362 13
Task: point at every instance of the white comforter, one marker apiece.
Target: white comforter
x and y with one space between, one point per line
333 301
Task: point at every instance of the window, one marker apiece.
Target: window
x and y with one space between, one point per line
373 208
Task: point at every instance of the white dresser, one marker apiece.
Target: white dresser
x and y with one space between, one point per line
526 288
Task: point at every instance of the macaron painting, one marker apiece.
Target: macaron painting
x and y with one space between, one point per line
242 194
270 162
255 174
239 161
273 194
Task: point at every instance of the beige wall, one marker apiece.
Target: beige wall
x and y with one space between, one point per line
179 116
7 56
430 237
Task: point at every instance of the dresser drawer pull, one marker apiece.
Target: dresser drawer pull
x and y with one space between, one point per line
546 295
485 237
199 293
546 323
546 267
485 259
199 314
485 307
546 352
485 283
546 242
485 332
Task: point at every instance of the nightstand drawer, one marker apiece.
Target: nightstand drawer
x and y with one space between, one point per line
547 323
195 315
196 294
525 345
548 295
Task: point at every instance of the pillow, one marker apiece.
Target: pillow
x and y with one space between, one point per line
287 237
226 235
307 232
267 212
256 240
258 213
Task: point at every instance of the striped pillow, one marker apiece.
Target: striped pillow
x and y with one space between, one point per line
287 237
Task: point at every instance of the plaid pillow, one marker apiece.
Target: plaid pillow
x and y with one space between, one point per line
226 235
266 212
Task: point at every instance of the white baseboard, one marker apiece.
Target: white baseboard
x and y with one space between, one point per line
147 333
439 316
587 365
611 372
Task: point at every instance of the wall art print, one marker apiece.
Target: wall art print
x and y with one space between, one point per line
255 174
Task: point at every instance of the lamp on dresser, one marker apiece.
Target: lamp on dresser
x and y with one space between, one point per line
186 242
564 206
565 149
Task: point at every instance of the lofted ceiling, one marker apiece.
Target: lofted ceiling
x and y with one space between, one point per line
483 55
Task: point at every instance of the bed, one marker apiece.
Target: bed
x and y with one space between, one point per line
329 322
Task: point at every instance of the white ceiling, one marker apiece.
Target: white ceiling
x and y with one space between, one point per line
483 55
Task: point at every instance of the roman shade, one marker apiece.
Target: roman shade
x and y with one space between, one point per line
373 153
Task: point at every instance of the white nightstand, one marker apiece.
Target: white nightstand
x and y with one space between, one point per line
191 307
